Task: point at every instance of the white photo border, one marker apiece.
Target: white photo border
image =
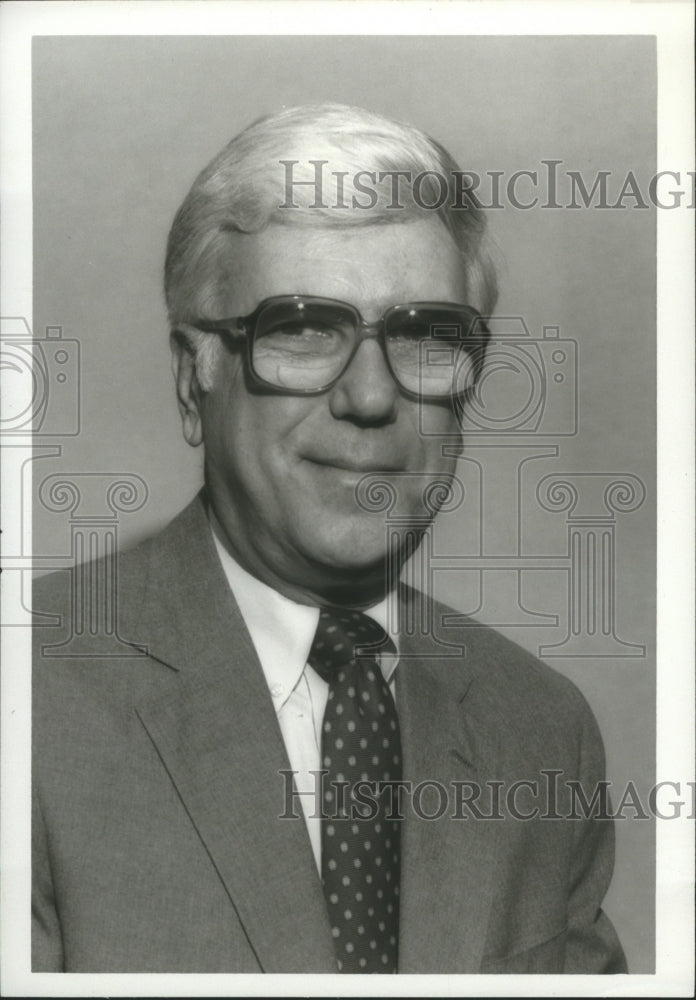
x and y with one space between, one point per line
672 24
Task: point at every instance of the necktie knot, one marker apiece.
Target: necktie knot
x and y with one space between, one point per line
344 636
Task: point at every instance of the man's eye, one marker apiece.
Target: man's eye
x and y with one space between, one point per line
301 337
307 332
405 334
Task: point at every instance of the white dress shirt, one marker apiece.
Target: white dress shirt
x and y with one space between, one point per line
282 632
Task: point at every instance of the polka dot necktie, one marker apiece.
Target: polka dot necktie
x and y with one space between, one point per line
360 844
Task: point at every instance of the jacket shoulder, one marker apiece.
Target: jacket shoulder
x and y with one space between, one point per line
126 571
529 700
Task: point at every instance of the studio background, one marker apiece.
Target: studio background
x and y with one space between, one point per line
122 125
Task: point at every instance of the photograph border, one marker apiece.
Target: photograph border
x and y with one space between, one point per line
671 24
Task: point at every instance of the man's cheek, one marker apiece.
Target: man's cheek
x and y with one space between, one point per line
435 425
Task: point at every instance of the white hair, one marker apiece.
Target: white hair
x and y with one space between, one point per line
205 350
243 189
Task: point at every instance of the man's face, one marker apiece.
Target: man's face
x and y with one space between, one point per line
282 471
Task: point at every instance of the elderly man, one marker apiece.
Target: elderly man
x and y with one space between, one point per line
302 770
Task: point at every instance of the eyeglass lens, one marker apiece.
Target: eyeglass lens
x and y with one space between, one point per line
306 346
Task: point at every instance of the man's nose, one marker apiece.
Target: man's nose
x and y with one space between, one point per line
366 392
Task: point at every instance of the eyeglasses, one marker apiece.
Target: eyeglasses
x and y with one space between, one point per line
302 344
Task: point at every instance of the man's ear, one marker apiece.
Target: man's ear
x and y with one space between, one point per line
188 390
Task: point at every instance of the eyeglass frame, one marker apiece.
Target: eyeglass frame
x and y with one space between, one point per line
246 326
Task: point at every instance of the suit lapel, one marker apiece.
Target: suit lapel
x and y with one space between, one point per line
447 864
213 724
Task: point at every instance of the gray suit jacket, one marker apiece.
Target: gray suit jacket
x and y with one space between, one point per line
157 840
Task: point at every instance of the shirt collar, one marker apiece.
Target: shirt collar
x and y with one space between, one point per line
283 630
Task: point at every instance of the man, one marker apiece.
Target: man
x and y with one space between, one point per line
261 790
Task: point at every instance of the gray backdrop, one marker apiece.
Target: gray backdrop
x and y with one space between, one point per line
122 126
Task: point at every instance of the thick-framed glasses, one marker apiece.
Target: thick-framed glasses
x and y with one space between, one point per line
302 344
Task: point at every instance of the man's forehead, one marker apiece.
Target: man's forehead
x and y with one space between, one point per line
372 266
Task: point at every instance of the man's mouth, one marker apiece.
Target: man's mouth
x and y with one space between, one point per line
362 466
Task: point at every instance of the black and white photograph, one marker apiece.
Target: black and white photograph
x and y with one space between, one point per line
347 445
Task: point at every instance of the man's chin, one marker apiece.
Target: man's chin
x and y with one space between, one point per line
356 558
359 548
